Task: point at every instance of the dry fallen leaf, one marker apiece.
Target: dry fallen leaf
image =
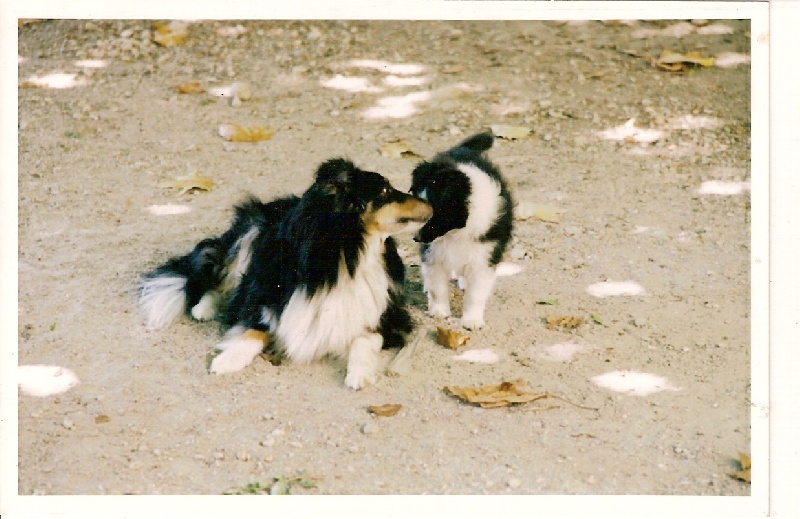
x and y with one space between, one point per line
188 183
491 396
385 409
544 213
192 87
170 34
676 62
450 338
397 150
236 133
102 418
510 132
743 474
563 321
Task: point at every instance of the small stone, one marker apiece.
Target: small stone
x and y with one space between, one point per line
514 483
268 442
370 428
353 449
67 423
296 445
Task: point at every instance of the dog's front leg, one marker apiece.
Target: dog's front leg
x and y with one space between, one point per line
238 349
479 284
363 360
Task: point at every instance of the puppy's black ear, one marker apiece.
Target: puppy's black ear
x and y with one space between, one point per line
336 171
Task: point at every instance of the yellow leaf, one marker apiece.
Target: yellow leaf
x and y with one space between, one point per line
102 418
562 321
491 396
397 150
545 213
743 474
671 58
385 409
236 133
188 183
510 132
450 339
192 87
170 34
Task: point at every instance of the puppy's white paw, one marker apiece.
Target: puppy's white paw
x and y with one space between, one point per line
438 310
237 352
472 322
206 308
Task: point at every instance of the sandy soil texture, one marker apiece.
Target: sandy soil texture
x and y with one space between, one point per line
635 177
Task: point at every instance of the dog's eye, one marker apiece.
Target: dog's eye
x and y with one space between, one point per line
384 191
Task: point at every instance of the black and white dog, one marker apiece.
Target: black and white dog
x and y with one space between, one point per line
469 230
309 276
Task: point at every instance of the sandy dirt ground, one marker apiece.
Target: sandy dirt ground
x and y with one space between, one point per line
634 176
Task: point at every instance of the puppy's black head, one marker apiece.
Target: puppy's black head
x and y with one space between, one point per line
447 190
382 208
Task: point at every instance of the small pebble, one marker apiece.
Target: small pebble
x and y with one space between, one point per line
67 423
370 428
514 483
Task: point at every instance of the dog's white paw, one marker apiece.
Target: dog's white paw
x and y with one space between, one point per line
237 353
206 308
363 361
356 380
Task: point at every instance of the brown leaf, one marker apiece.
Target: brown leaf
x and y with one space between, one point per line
236 133
170 34
192 87
188 183
102 418
491 396
385 409
454 68
450 338
744 474
563 321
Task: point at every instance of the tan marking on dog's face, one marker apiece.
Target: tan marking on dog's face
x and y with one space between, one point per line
407 216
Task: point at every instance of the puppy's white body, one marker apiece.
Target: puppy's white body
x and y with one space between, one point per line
460 254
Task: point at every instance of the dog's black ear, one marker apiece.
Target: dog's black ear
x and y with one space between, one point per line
336 171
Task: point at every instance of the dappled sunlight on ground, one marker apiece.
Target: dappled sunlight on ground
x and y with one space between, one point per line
719 187
395 107
404 69
351 84
168 209
57 80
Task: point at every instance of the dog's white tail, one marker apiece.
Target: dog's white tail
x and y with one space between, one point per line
163 299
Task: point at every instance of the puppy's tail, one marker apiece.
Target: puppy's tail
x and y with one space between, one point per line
166 292
473 146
